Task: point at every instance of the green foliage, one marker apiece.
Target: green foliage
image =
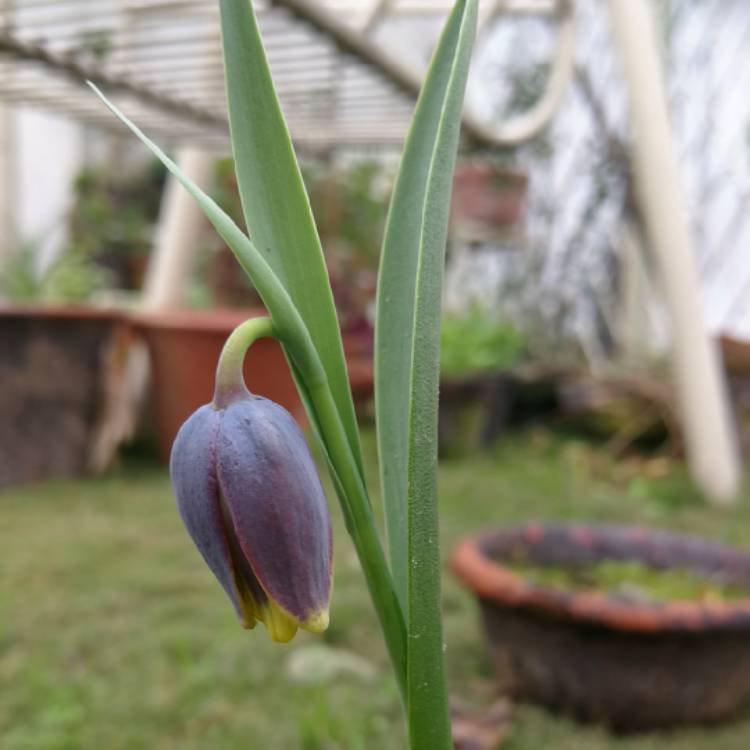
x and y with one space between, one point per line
114 213
73 278
285 262
110 223
407 368
350 206
478 342
630 580
20 279
113 635
69 278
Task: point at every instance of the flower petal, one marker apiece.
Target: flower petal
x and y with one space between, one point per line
271 487
192 467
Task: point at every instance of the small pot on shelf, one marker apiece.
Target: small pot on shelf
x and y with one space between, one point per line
487 200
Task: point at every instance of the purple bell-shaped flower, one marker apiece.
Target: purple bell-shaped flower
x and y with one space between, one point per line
249 495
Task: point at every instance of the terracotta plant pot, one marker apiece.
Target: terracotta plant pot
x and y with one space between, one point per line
185 347
487 200
629 664
736 354
62 370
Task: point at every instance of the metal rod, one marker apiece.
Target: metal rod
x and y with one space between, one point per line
362 48
34 53
209 47
212 63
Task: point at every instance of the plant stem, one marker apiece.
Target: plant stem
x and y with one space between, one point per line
230 380
362 528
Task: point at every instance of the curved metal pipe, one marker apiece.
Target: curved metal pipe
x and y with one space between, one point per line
525 126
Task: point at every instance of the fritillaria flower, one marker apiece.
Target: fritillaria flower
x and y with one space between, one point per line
249 494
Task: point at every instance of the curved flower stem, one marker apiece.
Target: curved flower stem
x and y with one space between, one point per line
230 380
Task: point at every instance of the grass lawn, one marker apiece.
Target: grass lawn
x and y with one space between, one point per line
114 635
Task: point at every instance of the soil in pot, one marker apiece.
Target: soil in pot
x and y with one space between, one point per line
673 649
62 370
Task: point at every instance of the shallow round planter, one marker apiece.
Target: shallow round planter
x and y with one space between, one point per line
633 665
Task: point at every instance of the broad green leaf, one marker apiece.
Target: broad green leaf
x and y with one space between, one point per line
314 390
274 201
407 368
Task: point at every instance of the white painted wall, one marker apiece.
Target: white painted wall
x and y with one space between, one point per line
49 154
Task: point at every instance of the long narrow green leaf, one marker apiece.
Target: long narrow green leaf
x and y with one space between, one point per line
394 335
274 201
313 385
407 369
394 330
284 314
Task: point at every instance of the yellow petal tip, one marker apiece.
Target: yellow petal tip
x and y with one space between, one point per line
317 623
281 626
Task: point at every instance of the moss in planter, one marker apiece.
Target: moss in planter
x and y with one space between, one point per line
631 580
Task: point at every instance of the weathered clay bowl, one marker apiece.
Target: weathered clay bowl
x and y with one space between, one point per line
601 657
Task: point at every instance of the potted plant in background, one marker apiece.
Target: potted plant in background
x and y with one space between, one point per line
113 219
63 365
488 199
479 352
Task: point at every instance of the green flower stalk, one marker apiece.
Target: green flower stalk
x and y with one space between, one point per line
250 497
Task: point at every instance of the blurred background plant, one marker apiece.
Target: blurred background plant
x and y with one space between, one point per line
113 218
478 341
111 225
349 202
71 277
479 352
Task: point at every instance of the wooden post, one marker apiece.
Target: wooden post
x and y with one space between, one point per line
180 223
8 161
710 439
